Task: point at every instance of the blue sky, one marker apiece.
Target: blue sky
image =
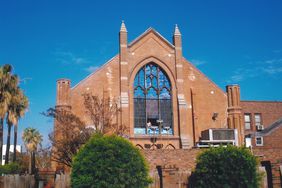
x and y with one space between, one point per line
230 41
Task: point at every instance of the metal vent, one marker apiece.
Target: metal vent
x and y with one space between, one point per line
219 134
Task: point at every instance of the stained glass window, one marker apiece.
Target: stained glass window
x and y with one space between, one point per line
152 101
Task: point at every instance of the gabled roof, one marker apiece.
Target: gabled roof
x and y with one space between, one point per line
261 101
95 71
270 128
148 31
136 40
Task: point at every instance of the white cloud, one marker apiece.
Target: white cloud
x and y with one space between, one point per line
91 68
272 70
273 66
237 78
24 80
277 51
66 57
243 73
274 62
197 62
270 67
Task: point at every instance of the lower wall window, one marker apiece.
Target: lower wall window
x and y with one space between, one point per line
259 141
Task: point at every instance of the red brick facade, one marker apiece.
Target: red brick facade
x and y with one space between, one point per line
197 103
194 97
177 166
270 111
270 148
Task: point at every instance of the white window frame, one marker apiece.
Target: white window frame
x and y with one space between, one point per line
248 122
259 144
260 119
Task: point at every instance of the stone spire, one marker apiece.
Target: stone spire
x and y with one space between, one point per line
123 73
177 40
122 27
176 30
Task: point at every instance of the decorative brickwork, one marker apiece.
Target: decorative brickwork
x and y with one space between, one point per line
194 98
196 103
176 166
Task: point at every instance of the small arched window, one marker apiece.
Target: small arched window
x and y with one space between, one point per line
152 101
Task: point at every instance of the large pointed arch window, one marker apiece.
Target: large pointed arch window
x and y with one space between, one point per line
152 101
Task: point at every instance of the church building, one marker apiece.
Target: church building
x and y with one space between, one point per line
166 103
160 93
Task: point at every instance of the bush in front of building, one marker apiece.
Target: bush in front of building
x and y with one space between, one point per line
109 161
228 167
11 168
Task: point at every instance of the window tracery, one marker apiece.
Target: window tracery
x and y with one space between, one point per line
152 101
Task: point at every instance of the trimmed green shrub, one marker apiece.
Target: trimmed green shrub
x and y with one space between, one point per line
109 161
226 167
11 168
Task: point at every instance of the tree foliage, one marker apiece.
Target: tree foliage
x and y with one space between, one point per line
109 161
32 138
43 158
16 110
228 167
11 168
71 132
13 104
102 111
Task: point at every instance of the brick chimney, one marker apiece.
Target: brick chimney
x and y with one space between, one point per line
63 94
234 111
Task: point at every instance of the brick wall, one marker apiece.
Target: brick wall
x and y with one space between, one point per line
275 157
199 92
270 111
177 166
271 151
202 98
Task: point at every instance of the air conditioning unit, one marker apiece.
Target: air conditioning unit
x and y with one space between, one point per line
260 127
216 137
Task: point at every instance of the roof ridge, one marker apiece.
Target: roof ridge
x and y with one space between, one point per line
270 128
206 76
147 31
95 71
262 101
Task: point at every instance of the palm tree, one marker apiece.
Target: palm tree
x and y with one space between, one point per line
7 83
12 116
20 106
32 138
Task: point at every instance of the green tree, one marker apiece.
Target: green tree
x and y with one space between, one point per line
11 168
109 161
19 105
8 83
226 167
71 132
32 138
16 109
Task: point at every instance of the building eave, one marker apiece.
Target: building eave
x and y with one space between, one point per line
149 30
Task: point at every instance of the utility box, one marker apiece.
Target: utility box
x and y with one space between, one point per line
216 137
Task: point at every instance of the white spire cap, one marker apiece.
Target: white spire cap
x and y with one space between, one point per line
176 30
122 27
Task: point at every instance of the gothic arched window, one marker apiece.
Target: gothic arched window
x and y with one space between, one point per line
152 101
